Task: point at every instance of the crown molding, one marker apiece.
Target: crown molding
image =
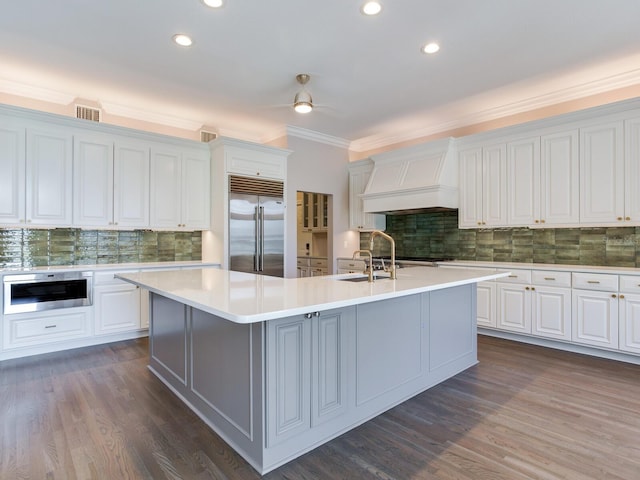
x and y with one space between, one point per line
152 117
316 137
35 93
576 92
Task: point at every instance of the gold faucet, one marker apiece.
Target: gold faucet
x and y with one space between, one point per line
368 271
392 268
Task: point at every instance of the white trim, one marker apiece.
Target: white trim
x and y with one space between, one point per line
152 117
36 93
306 134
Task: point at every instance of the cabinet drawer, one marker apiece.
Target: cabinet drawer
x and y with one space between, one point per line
44 328
551 278
630 284
319 262
302 262
516 276
351 265
595 281
109 278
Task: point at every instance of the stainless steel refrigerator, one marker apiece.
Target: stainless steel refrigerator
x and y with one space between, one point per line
256 228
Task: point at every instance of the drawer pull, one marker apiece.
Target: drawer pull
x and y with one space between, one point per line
549 278
593 281
50 326
513 276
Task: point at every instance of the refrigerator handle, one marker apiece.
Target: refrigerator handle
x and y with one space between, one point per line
261 239
256 258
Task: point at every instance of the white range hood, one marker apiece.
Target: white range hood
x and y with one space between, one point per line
418 178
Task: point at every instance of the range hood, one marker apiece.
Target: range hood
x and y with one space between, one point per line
414 179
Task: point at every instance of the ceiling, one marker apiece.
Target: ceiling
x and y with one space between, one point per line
370 81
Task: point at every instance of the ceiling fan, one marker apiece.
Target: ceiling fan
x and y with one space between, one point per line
302 102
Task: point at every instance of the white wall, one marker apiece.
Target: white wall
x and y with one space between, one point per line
321 168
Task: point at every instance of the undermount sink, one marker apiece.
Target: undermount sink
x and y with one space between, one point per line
364 278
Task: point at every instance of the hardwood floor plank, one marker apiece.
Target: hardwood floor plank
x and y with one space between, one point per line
525 412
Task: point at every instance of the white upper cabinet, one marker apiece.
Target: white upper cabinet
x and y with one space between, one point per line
359 174
523 186
93 180
602 174
560 179
12 166
131 184
632 168
180 195
111 182
483 187
49 176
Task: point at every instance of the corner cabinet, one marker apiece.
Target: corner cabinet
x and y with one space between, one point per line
359 174
180 188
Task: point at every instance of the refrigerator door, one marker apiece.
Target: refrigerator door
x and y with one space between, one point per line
243 232
271 226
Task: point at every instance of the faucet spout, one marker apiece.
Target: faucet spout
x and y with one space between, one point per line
369 270
392 268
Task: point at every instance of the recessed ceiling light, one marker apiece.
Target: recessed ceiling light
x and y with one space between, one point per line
182 40
431 47
371 8
213 3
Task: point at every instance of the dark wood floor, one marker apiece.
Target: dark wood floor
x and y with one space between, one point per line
524 412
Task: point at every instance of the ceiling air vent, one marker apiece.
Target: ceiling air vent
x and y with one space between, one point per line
206 136
88 113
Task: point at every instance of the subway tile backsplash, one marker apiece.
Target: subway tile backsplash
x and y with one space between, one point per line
65 246
437 235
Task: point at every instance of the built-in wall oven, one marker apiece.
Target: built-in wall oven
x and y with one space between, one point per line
32 292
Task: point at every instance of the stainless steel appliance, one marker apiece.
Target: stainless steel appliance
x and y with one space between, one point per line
256 226
31 292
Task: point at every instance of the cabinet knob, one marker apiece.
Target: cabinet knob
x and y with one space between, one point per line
527 288
317 314
484 223
537 221
627 218
533 288
29 221
258 173
542 221
621 296
619 219
614 296
479 223
307 315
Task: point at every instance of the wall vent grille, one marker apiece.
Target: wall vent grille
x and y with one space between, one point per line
206 136
256 186
88 113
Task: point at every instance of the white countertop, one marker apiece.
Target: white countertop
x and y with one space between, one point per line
248 298
107 267
545 266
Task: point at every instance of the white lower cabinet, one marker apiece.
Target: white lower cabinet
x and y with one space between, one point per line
514 307
486 310
31 329
595 318
629 316
116 304
551 312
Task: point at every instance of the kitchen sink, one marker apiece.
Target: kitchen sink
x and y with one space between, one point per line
364 278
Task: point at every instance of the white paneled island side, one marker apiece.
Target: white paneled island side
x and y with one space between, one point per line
280 366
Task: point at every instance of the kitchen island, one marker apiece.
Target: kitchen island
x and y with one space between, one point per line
280 366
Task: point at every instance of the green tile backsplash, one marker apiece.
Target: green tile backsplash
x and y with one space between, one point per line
437 235
65 246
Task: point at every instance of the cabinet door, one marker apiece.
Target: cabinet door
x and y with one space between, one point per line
131 184
595 318
632 171
551 312
470 214
12 166
560 179
358 219
486 309
523 170
116 308
494 193
602 174
92 180
196 196
630 323
166 188
514 308
49 177
288 372
328 360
